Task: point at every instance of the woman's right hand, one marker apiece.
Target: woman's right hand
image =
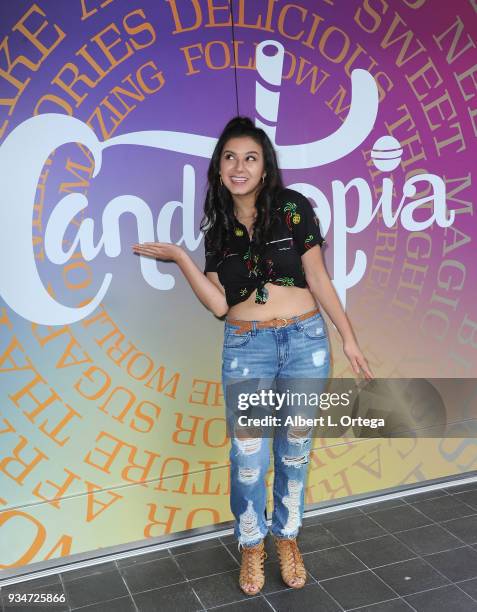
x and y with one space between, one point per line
160 250
207 292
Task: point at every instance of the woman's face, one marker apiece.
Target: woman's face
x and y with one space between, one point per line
242 165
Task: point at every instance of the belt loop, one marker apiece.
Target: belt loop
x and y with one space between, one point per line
298 323
254 328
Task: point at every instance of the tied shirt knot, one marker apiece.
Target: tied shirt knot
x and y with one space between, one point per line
253 261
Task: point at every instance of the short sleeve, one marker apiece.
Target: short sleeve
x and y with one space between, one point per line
211 257
301 219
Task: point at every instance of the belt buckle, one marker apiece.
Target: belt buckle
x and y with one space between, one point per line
284 320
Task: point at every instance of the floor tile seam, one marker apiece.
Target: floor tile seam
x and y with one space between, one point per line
414 553
442 524
432 522
308 585
336 537
360 572
118 568
442 586
436 570
474 511
191 552
438 525
258 596
269 603
127 588
92 603
63 586
158 588
460 589
382 535
320 582
384 601
407 500
472 486
291 589
198 577
197 597
466 580
230 553
373 572
449 550
438 588
187 581
421 557
387 532
413 558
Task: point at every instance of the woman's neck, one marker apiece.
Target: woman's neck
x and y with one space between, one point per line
245 209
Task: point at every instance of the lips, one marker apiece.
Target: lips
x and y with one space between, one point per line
238 179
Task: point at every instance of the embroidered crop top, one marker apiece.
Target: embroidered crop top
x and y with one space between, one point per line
280 263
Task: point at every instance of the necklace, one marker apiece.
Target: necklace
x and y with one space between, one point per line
244 218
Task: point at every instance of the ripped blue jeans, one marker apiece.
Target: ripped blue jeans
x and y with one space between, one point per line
284 356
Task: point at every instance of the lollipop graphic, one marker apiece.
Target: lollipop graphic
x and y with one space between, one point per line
355 129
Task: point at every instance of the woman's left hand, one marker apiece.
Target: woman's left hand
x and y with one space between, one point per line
357 359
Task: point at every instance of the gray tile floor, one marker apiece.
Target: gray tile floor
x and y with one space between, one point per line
413 553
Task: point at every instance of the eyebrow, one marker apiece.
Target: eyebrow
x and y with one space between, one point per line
247 153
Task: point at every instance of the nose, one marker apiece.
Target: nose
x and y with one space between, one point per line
239 164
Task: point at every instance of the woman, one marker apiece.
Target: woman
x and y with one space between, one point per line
264 271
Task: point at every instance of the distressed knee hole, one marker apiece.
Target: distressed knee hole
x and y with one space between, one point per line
292 504
248 525
298 435
249 446
248 475
295 461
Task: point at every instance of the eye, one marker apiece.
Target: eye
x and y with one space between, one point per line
229 155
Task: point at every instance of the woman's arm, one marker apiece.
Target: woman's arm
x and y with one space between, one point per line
204 288
207 291
325 294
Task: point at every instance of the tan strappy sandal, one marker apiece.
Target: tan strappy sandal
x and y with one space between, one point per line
291 563
252 576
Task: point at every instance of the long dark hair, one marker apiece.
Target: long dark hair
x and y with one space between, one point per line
219 218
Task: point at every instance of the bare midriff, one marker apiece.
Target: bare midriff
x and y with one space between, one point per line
282 302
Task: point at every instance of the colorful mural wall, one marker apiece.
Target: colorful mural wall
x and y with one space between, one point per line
111 418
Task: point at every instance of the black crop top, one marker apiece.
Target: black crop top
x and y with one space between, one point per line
280 264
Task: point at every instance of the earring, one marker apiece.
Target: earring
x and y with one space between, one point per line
263 179
220 178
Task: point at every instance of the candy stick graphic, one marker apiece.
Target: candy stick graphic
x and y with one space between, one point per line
348 137
269 68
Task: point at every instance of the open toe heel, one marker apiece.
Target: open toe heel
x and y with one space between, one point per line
292 567
252 576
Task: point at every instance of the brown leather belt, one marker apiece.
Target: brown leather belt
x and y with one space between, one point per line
245 326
